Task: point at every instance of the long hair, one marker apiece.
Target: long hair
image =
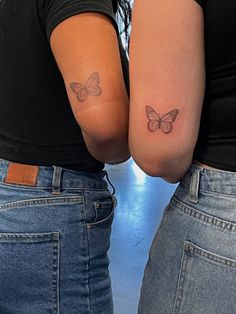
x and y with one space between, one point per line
123 10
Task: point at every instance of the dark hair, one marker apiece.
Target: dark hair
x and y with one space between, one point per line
122 9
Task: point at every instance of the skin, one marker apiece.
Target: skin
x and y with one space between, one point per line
83 45
167 69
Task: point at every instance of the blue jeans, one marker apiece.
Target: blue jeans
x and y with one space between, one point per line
54 239
192 263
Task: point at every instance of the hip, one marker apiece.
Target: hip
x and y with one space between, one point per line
192 264
55 227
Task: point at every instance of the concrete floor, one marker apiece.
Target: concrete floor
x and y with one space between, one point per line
141 201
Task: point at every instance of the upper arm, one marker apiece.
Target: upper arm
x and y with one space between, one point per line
85 44
167 73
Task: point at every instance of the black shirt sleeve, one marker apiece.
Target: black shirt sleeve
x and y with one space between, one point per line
202 3
56 11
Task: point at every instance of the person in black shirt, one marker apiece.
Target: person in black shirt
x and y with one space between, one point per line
63 114
183 128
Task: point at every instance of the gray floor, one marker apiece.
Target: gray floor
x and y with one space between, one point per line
141 201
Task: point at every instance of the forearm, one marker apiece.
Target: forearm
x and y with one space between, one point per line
93 77
167 85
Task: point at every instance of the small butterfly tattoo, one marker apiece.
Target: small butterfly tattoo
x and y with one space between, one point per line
89 87
157 121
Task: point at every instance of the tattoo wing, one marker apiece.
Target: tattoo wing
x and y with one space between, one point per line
153 119
80 90
167 119
93 85
90 87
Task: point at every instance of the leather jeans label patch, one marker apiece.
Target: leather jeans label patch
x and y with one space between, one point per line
22 174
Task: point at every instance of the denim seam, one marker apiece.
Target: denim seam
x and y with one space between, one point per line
55 276
29 237
42 201
23 187
209 256
223 195
48 188
222 224
180 285
185 185
98 223
88 255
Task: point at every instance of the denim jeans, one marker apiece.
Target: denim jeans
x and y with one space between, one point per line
192 262
54 239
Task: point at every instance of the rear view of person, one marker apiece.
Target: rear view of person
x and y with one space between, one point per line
183 128
63 114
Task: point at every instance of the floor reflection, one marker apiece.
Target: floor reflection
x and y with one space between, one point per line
141 201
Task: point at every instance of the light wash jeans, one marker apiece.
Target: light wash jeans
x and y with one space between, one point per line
54 239
192 263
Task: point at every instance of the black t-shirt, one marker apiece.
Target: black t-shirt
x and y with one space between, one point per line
216 144
37 125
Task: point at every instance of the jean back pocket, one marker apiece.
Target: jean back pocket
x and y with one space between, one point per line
29 271
207 283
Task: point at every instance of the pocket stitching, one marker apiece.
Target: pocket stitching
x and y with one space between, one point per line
55 275
29 237
208 256
94 224
52 237
203 217
42 201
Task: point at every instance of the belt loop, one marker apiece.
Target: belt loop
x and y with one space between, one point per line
108 180
194 186
56 180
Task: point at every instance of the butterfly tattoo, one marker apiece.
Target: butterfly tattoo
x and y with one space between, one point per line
89 87
163 122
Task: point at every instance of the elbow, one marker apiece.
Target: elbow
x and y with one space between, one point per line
158 159
114 160
110 149
149 168
155 170
114 150
111 155
168 168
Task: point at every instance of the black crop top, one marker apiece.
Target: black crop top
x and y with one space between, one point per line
36 121
216 144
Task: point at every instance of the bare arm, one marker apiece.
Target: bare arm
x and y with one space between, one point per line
86 50
167 85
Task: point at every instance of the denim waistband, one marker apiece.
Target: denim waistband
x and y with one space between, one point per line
57 178
210 180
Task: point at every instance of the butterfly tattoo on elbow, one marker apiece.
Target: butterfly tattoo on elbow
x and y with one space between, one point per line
89 87
160 121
